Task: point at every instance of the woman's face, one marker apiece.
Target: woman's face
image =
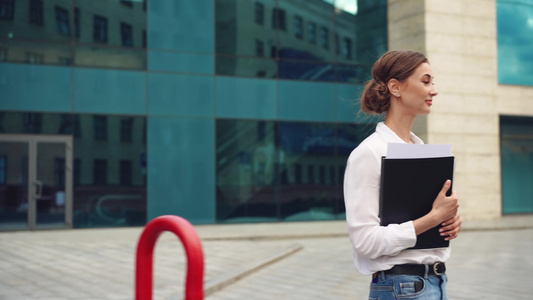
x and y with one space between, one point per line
417 91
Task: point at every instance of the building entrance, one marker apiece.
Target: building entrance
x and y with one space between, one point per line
35 182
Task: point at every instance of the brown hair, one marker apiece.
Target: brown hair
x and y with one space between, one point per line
393 64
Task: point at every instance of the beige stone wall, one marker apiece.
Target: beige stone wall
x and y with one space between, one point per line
459 38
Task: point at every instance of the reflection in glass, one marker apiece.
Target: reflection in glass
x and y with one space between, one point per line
50 190
290 171
306 38
37 123
13 185
246 67
515 28
307 190
516 142
246 155
32 52
101 33
109 171
291 69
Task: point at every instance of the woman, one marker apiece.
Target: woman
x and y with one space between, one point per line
402 88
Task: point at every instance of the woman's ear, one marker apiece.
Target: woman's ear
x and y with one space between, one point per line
394 87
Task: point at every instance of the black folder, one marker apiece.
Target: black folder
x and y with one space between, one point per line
408 189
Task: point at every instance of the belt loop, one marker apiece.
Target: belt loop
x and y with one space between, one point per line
426 271
382 276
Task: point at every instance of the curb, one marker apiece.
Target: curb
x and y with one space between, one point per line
228 278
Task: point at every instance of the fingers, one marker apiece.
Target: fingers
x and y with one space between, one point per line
451 236
446 186
451 228
451 221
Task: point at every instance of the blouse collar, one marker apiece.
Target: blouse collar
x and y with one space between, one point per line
383 129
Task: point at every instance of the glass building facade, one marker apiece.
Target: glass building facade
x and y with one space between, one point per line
515 67
115 112
515 29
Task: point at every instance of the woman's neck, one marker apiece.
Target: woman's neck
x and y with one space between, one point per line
401 124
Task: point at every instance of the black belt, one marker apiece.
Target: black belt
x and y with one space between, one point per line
435 269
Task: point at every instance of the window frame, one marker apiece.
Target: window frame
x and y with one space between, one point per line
126 31
62 23
36 12
259 9
7 10
100 29
279 19
298 27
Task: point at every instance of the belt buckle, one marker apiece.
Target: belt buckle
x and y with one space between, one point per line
436 267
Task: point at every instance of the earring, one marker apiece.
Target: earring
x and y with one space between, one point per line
397 95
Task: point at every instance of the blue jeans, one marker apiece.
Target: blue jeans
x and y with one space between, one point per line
392 287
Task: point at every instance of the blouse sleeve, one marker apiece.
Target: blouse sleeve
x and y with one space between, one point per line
361 196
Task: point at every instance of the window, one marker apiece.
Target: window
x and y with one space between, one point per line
347 48
126 129
126 34
3 54
125 172
34 58
65 125
7 9
259 48
324 37
3 169
100 172
77 22
297 173
284 178
100 29
100 128
62 21
259 13
59 171
36 12
332 175
298 27
273 51
310 174
33 122
126 3
311 27
77 172
278 19
322 174
145 127
77 126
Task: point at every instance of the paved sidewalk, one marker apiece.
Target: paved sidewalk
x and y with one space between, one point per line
308 260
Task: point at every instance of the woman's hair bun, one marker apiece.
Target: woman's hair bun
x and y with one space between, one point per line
376 97
393 64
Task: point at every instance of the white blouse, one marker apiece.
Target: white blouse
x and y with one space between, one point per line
375 247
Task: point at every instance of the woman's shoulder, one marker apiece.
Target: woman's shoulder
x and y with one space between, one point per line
373 146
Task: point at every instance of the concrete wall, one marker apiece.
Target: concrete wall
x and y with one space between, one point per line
460 40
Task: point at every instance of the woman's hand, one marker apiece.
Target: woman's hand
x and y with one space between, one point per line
451 228
445 208
444 211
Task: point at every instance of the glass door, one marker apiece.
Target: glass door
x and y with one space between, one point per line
36 191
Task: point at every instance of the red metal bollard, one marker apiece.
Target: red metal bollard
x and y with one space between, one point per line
194 281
